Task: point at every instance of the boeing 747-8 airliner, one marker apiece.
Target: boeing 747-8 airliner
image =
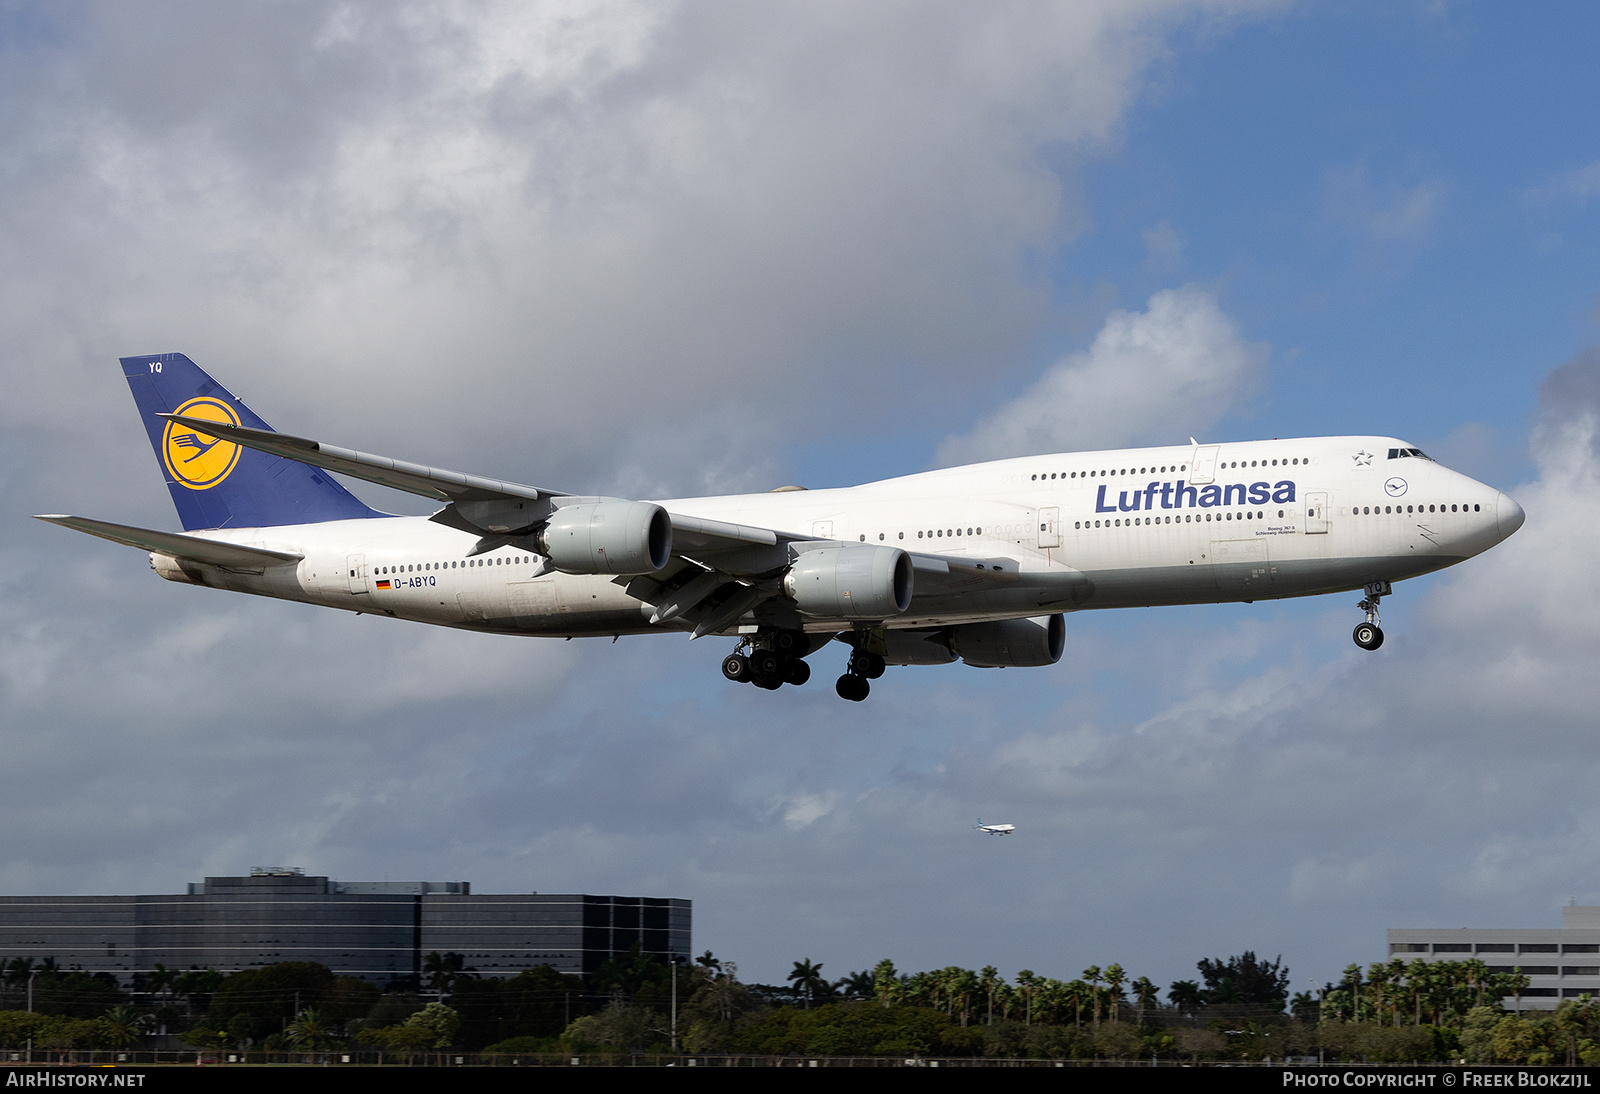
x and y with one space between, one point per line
976 563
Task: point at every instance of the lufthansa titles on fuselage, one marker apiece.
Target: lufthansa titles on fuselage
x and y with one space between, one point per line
1178 495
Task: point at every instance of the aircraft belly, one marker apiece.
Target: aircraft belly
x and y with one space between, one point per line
564 604
994 604
1239 579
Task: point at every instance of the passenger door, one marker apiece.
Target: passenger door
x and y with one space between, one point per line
1049 527
1316 512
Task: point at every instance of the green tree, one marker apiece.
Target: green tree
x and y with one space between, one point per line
1115 977
124 1025
1186 993
310 1031
629 972
808 981
1146 994
856 985
1092 976
1477 1035
77 994
256 1003
990 983
438 1022
538 1002
956 987
1245 981
886 983
442 970
1025 984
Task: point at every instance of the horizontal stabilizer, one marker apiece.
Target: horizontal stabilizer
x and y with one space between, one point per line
231 555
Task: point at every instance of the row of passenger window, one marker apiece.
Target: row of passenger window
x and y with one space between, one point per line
422 567
1369 510
933 533
1187 518
1165 469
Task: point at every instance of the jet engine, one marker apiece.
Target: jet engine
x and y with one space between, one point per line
607 537
1011 643
851 582
182 571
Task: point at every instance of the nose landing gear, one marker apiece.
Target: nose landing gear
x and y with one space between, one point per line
1369 635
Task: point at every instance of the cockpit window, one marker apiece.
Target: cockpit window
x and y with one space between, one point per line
1409 453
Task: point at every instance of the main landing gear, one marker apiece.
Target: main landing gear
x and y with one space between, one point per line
1369 635
863 666
774 660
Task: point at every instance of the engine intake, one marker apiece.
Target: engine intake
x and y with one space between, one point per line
607 537
1011 643
851 582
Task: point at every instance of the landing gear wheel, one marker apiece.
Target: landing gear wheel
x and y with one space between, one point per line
1369 635
796 672
771 683
868 665
852 687
766 665
736 667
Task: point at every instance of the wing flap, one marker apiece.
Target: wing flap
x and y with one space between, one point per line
233 556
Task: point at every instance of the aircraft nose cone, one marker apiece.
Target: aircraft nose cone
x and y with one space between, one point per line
1510 514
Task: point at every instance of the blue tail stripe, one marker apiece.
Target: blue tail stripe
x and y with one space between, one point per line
222 485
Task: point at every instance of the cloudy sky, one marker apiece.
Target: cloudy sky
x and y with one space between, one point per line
660 249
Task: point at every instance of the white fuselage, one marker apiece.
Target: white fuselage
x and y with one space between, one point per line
1180 525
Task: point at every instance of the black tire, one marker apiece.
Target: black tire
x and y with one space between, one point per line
736 667
867 665
766 665
771 683
1369 636
796 672
852 687
787 642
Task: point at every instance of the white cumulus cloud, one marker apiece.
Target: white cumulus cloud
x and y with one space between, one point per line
1161 375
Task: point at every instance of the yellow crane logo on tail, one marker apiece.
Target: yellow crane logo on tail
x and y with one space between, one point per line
197 460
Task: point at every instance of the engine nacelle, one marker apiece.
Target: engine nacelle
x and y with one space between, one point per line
851 582
1011 643
183 571
607 537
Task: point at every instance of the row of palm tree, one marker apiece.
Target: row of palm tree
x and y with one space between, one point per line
1439 993
966 995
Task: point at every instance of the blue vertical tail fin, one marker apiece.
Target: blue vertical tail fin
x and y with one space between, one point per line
216 483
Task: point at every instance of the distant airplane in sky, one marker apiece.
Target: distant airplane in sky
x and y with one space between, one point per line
995 829
976 563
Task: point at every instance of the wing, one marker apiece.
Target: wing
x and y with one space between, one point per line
717 571
233 556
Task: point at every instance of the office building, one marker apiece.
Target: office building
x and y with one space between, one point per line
377 930
1560 963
